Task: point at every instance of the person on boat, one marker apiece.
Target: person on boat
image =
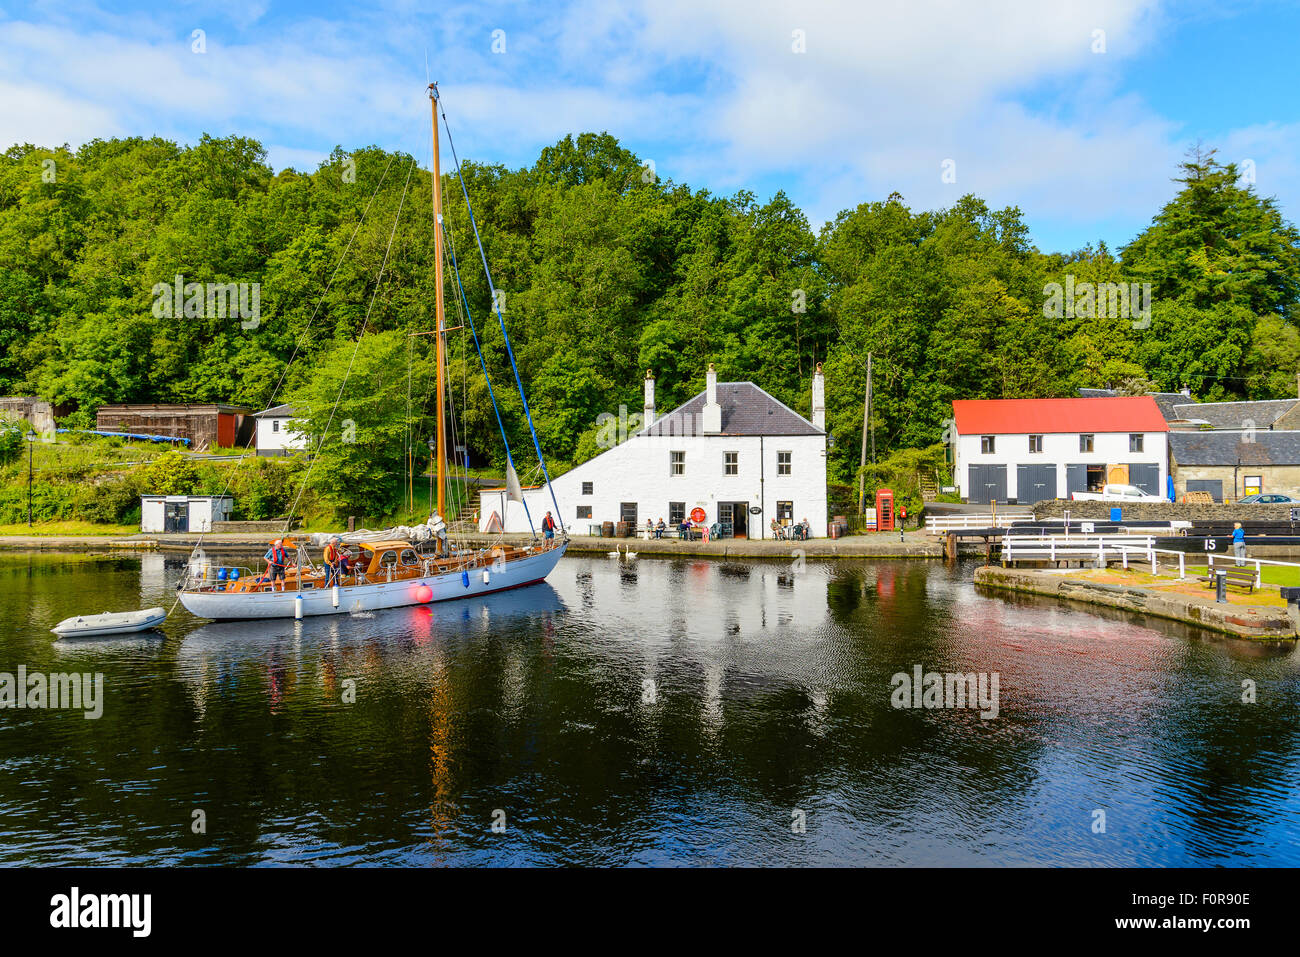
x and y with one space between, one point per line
276 559
332 556
548 526
345 561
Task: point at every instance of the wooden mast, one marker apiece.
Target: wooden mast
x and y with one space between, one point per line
441 327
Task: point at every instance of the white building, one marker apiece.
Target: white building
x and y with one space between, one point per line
732 454
183 513
1026 450
274 437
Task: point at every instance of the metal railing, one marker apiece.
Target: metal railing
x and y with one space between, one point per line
1103 548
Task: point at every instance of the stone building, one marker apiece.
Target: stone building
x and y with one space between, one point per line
1232 464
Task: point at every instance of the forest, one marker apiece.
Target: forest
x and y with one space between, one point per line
603 271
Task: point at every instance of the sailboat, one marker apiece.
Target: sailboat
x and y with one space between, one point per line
392 573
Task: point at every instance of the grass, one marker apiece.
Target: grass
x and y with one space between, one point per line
1270 574
44 529
1165 583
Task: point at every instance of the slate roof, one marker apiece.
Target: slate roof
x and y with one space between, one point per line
277 410
746 410
1233 415
1220 447
1165 401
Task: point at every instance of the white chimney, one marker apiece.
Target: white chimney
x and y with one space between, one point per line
711 418
648 413
819 399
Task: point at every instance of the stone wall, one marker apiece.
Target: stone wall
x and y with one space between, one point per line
1164 511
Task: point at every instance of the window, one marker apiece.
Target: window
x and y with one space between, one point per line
785 513
586 490
1035 443
782 463
275 425
584 511
730 463
1135 441
676 463
676 513
986 445
1085 443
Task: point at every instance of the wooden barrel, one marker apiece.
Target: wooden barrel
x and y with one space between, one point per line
607 529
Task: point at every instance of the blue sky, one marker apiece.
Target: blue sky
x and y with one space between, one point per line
1076 112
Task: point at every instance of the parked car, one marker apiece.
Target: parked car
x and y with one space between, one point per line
1117 493
1268 498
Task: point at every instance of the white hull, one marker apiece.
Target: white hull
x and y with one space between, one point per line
370 597
110 623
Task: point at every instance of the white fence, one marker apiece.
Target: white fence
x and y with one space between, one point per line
938 524
1102 548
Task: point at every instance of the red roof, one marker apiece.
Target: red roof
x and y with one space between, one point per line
1125 413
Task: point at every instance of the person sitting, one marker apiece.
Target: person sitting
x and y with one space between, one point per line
659 529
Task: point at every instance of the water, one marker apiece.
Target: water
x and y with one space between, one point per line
666 712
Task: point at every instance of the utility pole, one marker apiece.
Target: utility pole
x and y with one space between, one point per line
866 425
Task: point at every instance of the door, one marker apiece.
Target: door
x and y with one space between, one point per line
740 520
1213 486
1076 478
176 517
725 512
988 483
1146 476
627 513
1118 475
1035 483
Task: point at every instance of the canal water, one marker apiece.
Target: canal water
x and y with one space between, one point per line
665 712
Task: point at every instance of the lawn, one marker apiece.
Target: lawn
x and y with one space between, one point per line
47 529
1271 574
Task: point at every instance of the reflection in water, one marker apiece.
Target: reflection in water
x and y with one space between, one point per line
652 712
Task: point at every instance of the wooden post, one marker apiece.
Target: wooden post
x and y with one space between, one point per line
866 424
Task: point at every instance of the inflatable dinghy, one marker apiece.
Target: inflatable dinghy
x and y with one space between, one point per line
110 623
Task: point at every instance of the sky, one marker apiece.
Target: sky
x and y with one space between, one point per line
1076 112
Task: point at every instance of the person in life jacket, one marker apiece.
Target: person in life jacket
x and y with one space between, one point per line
333 555
276 559
548 526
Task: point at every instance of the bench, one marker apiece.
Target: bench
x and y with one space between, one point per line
1238 577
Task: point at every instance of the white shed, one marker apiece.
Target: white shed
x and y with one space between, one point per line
183 513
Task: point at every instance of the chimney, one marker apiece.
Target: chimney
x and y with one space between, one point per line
819 399
648 416
711 418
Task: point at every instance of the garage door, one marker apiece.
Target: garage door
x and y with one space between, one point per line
1076 478
1213 486
1035 483
1146 476
987 483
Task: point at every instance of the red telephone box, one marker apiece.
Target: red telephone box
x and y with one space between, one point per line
884 510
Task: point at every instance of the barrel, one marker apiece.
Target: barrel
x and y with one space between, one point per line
622 530
835 529
607 530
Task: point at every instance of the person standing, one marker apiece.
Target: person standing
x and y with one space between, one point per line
1239 543
548 526
276 558
332 556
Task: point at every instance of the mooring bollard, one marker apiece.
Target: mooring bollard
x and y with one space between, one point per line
1220 586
